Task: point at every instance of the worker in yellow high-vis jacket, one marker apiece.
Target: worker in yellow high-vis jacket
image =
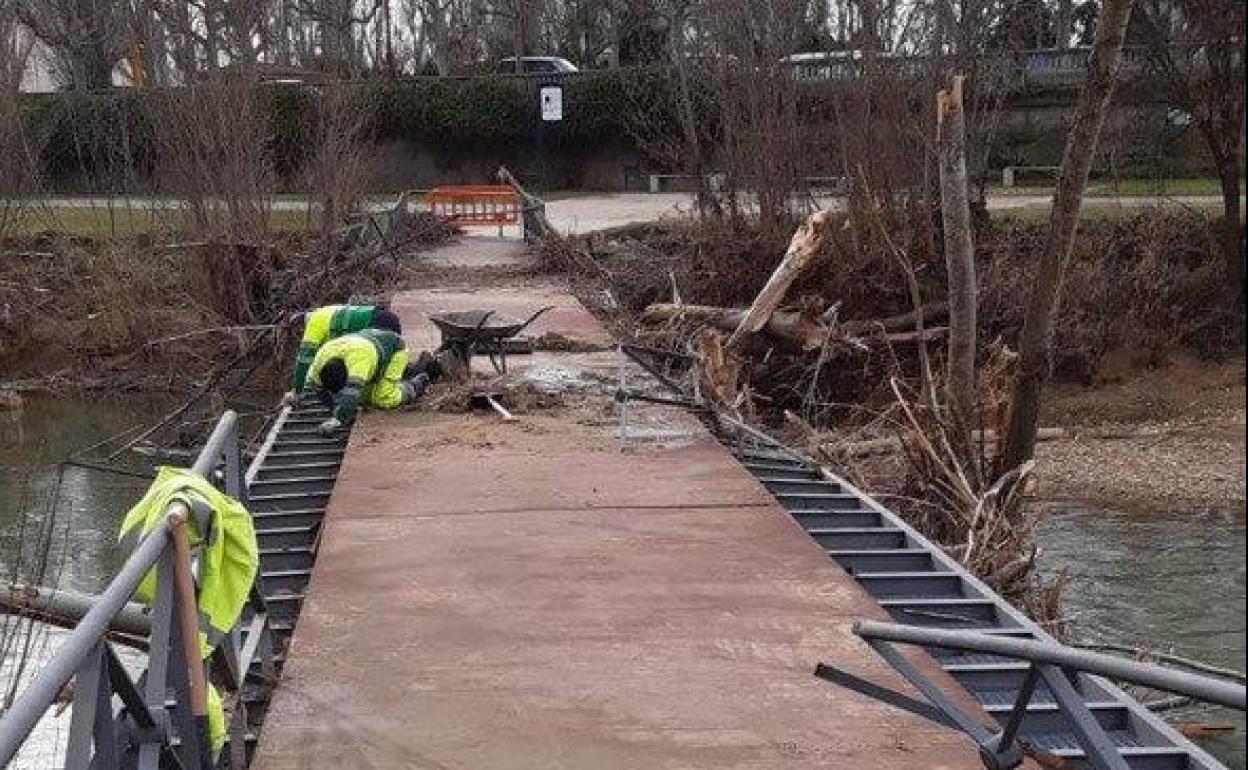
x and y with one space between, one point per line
368 368
222 533
332 321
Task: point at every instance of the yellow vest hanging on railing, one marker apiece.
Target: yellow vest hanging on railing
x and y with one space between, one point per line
228 560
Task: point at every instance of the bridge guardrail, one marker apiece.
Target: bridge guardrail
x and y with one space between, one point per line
163 713
1054 665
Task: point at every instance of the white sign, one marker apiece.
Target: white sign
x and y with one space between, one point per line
552 104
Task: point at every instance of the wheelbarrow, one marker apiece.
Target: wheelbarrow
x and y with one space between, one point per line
481 331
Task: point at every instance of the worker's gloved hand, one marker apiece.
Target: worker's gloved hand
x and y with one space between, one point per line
330 427
290 398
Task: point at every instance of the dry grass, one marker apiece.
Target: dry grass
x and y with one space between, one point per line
129 313
128 221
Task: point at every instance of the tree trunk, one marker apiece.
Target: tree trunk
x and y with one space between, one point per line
1063 23
689 125
959 259
1232 230
1036 339
520 40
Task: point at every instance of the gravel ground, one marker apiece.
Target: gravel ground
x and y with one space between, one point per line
1182 468
1190 447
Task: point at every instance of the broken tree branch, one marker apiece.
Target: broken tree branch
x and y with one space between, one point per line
802 250
959 261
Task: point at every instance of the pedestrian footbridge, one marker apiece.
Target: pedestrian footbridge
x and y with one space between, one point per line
623 579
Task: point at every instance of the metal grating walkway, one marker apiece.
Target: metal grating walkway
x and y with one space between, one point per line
918 584
288 488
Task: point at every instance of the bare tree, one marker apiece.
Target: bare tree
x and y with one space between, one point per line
1036 339
959 259
1196 48
342 160
449 30
211 142
17 162
761 151
87 37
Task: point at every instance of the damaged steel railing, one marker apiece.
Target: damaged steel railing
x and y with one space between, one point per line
162 720
1056 668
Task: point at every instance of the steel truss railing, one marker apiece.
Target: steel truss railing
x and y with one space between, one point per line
162 720
1058 667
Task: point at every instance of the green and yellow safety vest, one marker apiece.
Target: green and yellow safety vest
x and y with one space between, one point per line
322 325
228 560
375 361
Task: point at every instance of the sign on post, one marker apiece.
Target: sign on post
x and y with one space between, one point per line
552 103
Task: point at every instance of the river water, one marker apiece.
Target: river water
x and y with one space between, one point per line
1174 580
1169 581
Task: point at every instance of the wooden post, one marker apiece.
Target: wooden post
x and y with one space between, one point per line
959 259
188 620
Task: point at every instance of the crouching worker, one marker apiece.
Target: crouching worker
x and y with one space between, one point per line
363 369
332 321
221 533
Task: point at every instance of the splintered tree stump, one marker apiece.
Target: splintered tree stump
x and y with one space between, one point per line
802 251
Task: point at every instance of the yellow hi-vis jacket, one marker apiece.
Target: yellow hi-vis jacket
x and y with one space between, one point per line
375 361
228 560
322 325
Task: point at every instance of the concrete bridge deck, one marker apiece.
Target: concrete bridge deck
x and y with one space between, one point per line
495 595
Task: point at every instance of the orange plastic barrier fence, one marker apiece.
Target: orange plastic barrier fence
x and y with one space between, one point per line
475 204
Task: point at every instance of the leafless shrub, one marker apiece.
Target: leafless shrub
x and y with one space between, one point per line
1139 287
342 159
211 142
17 152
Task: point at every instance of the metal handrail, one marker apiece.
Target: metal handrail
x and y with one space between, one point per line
1206 689
85 653
1059 668
41 694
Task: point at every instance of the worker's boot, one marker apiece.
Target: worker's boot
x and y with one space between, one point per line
414 388
427 364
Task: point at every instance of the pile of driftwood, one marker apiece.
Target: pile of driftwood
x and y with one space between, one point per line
959 498
727 334
804 327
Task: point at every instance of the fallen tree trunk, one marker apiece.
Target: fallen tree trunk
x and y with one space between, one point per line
794 328
897 322
785 325
802 250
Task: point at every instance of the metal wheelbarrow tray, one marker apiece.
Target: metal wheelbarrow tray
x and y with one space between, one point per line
481 331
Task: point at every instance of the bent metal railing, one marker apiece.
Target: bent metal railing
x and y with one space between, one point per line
162 720
1056 667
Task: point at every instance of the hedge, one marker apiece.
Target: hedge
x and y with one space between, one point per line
99 139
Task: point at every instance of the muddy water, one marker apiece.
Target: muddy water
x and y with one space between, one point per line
82 509
1172 581
85 506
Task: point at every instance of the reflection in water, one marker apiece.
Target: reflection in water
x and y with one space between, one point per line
79 510
85 505
1167 581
